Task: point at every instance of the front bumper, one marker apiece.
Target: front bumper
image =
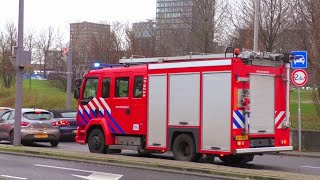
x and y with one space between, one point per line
263 150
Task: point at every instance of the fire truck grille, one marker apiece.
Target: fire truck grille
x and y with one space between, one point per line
262 142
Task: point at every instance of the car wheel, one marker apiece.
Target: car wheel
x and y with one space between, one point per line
54 143
96 142
184 148
11 137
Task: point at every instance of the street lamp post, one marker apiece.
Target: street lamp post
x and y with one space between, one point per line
21 60
19 77
256 25
69 77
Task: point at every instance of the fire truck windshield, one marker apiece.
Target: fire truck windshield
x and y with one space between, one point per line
90 90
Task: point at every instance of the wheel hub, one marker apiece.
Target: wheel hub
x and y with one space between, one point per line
96 142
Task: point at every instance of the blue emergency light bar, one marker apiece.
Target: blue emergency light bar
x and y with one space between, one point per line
105 65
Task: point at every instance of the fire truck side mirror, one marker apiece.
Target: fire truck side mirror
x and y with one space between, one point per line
76 94
77 88
78 82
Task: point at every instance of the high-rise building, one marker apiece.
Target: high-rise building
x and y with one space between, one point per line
86 38
144 36
180 24
81 34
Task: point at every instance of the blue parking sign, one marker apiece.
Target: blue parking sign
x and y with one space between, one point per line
300 60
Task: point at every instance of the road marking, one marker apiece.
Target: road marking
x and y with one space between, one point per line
94 176
310 167
304 167
100 176
13 177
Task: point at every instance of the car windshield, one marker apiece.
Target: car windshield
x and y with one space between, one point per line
2 112
37 115
69 114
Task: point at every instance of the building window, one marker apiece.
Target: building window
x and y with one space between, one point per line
106 88
122 87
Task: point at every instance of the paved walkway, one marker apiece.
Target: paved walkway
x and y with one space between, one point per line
167 165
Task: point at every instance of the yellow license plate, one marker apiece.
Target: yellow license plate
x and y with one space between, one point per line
41 136
241 137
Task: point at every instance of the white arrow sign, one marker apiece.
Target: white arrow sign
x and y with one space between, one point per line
94 176
100 176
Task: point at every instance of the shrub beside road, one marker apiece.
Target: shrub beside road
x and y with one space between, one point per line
41 95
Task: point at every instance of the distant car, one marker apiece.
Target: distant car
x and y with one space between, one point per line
66 120
299 59
36 126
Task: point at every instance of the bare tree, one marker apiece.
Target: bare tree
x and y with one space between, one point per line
8 39
276 21
308 30
30 42
141 39
45 41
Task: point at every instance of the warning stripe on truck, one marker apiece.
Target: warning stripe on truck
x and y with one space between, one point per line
238 119
89 111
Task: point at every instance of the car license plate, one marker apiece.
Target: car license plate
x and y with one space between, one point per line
41 136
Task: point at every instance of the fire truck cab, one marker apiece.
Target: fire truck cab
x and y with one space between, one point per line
233 106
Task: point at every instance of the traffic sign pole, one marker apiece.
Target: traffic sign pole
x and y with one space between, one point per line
299 118
299 77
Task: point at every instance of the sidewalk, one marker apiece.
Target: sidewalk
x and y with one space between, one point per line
299 154
158 164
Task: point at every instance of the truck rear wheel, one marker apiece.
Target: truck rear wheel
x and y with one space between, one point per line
96 142
236 159
184 148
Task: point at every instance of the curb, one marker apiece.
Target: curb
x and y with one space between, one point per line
297 154
155 164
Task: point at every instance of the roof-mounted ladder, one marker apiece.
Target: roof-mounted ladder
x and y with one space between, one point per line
192 56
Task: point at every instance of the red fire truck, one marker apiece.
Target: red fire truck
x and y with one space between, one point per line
229 105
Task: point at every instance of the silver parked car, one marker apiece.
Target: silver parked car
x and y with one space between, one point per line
3 110
36 126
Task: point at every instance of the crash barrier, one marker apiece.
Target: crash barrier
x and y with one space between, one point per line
309 140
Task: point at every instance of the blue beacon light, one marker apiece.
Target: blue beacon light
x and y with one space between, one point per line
96 65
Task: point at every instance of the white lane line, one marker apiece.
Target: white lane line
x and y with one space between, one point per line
305 167
310 167
13 177
94 173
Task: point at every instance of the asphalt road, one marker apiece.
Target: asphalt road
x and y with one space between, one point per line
303 165
24 167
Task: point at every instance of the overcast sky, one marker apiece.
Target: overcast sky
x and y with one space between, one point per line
59 13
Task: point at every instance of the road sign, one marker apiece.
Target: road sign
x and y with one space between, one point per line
299 77
300 60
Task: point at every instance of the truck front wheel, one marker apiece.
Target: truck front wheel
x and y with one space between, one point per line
184 148
96 142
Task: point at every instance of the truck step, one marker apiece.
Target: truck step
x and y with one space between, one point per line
125 147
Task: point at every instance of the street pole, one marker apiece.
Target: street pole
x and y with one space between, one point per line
256 25
19 77
299 119
69 77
